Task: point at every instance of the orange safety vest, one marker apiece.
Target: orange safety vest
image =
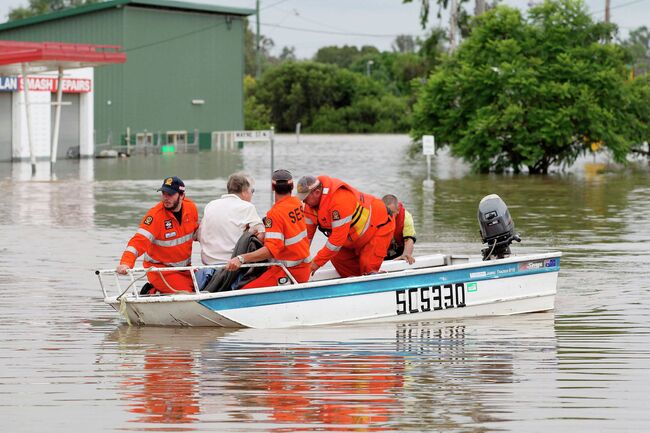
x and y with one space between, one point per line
351 216
286 232
163 241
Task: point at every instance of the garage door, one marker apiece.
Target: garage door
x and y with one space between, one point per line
69 137
5 126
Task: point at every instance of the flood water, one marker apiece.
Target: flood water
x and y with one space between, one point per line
69 363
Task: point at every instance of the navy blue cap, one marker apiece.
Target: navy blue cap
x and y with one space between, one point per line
172 185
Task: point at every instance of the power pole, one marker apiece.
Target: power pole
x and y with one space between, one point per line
258 65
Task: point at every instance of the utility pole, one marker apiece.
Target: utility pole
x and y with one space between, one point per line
258 65
607 2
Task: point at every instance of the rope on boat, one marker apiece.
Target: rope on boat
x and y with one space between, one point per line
166 283
123 311
119 298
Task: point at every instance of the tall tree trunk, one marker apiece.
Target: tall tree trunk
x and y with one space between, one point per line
453 24
479 7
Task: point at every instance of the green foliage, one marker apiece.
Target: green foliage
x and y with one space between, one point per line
431 49
392 69
404 44
256 115
40 7
369 114
344 56
250 51
325 98
638 45
532 93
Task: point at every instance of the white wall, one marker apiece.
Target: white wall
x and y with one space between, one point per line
42 126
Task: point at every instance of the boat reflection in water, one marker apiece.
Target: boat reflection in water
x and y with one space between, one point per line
162 372
370 378
167 391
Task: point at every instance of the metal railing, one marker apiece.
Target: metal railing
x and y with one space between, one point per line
136 274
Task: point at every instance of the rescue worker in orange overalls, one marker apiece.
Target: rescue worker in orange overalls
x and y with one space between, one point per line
285 241
165 238
357 225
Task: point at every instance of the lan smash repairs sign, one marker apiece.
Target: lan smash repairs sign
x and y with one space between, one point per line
46 84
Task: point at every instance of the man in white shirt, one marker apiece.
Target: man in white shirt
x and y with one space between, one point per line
227 218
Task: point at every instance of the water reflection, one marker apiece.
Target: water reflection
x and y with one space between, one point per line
168 391
364 378
161 373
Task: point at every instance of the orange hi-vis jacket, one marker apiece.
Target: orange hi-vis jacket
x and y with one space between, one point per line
286 232
352 217
163 241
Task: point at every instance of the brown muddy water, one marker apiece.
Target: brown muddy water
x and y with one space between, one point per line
68 362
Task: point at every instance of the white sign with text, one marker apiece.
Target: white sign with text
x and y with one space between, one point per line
252 135
428 145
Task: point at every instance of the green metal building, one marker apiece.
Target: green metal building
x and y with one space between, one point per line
184 68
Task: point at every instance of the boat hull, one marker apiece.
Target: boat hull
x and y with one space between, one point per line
509 286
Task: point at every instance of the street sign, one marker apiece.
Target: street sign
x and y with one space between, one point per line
428 145
252 135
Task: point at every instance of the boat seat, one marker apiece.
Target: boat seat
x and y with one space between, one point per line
388 266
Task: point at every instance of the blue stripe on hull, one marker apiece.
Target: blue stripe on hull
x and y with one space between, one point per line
376 286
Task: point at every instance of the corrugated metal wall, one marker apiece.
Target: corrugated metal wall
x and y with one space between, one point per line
173 57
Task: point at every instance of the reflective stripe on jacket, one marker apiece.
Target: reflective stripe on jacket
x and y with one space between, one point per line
286 232
162 240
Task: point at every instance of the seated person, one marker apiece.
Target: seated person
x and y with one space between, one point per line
401 247
224 221
165 239
285 240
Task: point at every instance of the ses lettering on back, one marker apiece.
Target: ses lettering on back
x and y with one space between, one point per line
295 215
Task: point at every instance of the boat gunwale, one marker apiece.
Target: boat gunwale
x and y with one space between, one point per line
408 272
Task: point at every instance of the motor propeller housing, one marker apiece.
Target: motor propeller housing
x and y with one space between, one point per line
497 227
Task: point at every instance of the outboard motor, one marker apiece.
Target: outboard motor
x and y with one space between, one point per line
497 227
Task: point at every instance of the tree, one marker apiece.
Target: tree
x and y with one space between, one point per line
404 44
250 50
256 115
531 93
40 7
432 48
459 19
287 54
326 98
393 70
638 44
343 56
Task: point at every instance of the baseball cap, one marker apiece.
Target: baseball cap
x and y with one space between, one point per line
306 184
281 176
172 185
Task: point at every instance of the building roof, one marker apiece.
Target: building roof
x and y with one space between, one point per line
45 56
154 4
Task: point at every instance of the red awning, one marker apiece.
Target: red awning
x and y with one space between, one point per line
47 56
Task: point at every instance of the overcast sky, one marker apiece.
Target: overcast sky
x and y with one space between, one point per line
308 25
